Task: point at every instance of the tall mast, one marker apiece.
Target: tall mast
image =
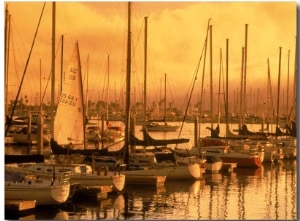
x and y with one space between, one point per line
61 63
53 70
287 88
226 97
41 105
245 72
107 92
128 79
295 79
219 87
87 88
145 72
270 93
241 114
165 97
26 66
211 79
202 82
278 89
7 44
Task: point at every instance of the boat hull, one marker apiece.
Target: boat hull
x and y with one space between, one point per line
43 194
149 180
116 181
251 161
23 138
80 173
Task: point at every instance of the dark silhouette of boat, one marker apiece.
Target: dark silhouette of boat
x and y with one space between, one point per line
149 141
68 150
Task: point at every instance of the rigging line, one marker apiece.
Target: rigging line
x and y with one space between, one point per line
196 72
12 112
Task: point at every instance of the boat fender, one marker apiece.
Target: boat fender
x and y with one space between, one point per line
102 168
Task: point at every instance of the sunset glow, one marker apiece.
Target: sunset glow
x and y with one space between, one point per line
176 35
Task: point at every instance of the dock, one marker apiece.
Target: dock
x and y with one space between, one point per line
80 192
19 205
149 180
228 167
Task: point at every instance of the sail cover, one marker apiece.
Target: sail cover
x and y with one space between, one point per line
69 121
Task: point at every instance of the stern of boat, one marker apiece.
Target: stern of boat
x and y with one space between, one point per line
118 182
60 191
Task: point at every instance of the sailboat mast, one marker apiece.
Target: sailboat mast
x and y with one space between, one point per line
41 105
211 79
87 88
26 66
7 44
295 79
165 97
270 94
53 70
61 63
241 114
287 88
107 92
219 93
245 71
278 89
128 79
226 96
145 72
202 82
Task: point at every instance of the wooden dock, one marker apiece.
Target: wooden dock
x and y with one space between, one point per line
228 167
90 192
19 205
150 180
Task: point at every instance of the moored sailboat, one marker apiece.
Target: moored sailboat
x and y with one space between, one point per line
69 128
83 174
43 191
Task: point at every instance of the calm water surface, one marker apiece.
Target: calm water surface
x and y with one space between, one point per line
263 194
267 193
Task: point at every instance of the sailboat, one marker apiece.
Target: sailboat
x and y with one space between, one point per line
144 169
83 174
112 133
153 125
19 129
28 187
69 128
69 118
150 141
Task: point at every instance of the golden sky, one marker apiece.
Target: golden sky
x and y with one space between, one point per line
176 34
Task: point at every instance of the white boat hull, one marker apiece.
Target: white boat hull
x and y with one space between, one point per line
43 193
80 173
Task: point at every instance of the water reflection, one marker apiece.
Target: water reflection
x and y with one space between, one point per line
265 193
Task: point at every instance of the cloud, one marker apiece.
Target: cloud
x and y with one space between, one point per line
176 34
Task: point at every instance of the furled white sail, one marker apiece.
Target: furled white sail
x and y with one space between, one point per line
69 121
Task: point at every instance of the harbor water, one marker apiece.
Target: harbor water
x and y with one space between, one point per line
266 193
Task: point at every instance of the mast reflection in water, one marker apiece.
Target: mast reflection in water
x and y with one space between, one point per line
267 193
